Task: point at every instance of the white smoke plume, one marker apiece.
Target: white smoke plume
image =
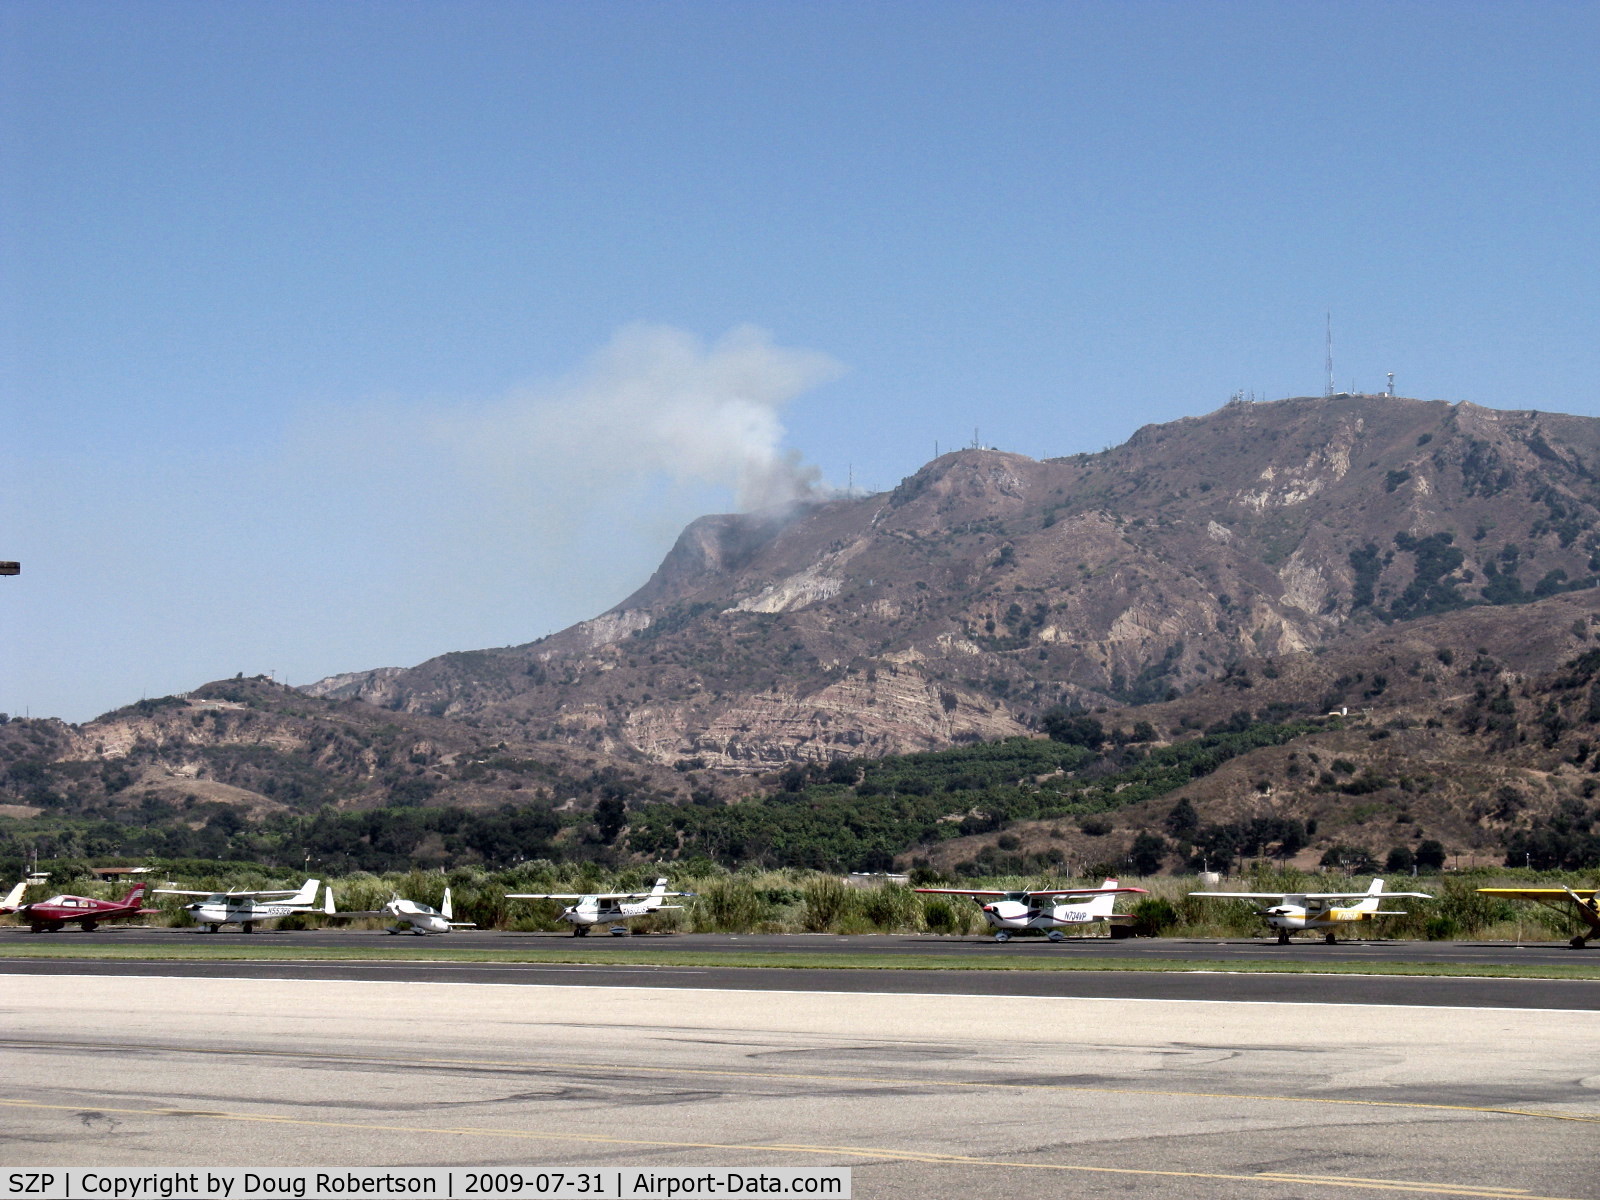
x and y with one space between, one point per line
654 402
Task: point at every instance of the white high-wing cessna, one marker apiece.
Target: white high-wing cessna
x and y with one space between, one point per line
246 909
410 915
593 908
1042 910
1318 910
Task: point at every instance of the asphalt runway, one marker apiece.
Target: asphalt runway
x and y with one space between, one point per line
1322 991
921 1095
976 947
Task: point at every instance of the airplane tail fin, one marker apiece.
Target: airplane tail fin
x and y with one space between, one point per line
1373 897
658 893
135 894
327 900
445 910
1101 906
14 897
307 893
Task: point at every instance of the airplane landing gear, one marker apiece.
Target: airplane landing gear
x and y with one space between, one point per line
580 931
1579 942
90 926
1283 937
213 928
249 926
619 931
1330 939
1055 935
1002 936
38 927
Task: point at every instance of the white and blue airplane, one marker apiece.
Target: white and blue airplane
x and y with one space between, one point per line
410 916
247 909
1047 910
595 908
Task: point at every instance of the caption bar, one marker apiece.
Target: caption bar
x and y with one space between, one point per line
433 1183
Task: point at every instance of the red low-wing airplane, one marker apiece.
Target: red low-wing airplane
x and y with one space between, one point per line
58 912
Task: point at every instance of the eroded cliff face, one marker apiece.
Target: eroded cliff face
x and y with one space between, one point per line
989 587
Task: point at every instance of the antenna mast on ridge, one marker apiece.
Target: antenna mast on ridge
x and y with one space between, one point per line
1329 391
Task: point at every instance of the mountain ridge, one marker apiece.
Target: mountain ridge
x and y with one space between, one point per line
989 587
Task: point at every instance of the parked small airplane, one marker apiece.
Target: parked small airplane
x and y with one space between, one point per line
410 915
1042 910
246 909
56 913
13 898
593 908
1317 910
1584 903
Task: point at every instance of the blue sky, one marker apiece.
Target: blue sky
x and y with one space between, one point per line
336 336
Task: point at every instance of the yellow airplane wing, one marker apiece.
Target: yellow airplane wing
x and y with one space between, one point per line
1580 902
1540 894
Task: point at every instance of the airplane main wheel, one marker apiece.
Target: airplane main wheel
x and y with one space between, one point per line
1056 935
1578 943
37 927
248 927
213 928
1330 939
1002 936
90 926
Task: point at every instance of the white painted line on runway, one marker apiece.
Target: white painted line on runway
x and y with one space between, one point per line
988 996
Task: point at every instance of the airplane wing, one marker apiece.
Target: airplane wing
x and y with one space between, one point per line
1245 895
1541 894
1361 895
591 895
1089 893
960 892
230 895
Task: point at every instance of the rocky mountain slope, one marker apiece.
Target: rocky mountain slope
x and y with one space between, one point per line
989 588
250 750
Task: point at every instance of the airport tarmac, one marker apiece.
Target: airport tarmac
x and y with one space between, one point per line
1581 995
921 1095
976 947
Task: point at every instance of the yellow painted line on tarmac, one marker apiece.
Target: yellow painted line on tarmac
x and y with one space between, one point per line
796 1077
881 1153
1354 1180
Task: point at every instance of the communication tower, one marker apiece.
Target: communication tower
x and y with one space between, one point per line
1389 392
1329 387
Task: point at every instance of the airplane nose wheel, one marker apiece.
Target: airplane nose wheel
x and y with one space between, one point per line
580 931
1283 937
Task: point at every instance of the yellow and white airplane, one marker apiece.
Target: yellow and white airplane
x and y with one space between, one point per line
1584 903
1291 911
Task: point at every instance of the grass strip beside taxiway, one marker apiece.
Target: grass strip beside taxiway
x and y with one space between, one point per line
785 960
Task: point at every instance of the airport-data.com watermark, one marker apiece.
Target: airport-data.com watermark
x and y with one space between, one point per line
422 1183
